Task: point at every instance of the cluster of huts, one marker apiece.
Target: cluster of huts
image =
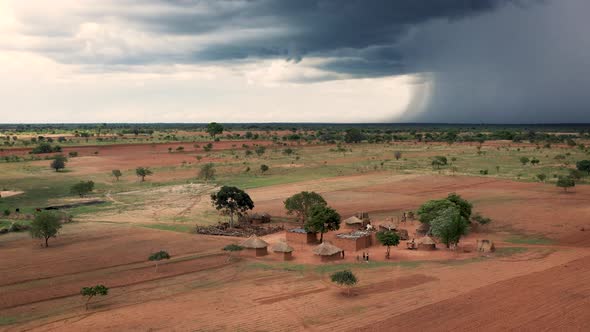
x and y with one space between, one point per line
360 235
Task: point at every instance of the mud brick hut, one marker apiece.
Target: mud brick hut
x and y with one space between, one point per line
485 246
256 246
301 236
355 222
354 241
426 243
328 252
284 249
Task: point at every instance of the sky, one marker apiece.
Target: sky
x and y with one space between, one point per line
339 61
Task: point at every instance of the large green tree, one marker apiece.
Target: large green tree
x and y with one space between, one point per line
322 219
431 209
449 226
45 225
300 204
214 128
565 182
142 172
232 201
354 135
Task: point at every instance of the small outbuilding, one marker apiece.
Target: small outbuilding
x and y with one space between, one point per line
388 227
328 252
255 245
301 236
485 246
283 248
426 243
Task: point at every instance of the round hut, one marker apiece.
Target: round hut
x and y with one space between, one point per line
256 245
283 248
328 252
426 243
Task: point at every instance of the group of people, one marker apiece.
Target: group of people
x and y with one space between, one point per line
365 257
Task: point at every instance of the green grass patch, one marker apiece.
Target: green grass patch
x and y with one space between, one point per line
170 227
527 239
509 251
6 320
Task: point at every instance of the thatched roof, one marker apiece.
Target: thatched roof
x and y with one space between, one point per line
282 247
253 242
426 240
353 221
326 249
389 226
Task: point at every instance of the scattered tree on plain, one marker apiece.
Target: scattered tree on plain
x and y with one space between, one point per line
439 161
90 292
524 160
583 166
82 188
344 278
397 155
565 182
260 150
214 128
322 219
388 239
117 174
158 256
207 172
263 168
300 204
45 225
232 201
59 162
142 172
353 135
541 177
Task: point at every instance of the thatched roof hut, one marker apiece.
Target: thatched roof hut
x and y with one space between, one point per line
355 222
256 244
281 247
426 243
284 248
328 251
388 227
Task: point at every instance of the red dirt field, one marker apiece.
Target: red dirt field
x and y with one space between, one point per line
522 286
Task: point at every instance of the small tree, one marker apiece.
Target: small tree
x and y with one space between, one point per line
524 160
565 182
388 239
288 151
90 292
439 161
158 256
263 168
207 172
142 172
214 128
231 248
321 220
478 218
397 155
260 150
583 166
82 188
541 177
300 204
344 278
231 201
44 226
59 162
116 173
